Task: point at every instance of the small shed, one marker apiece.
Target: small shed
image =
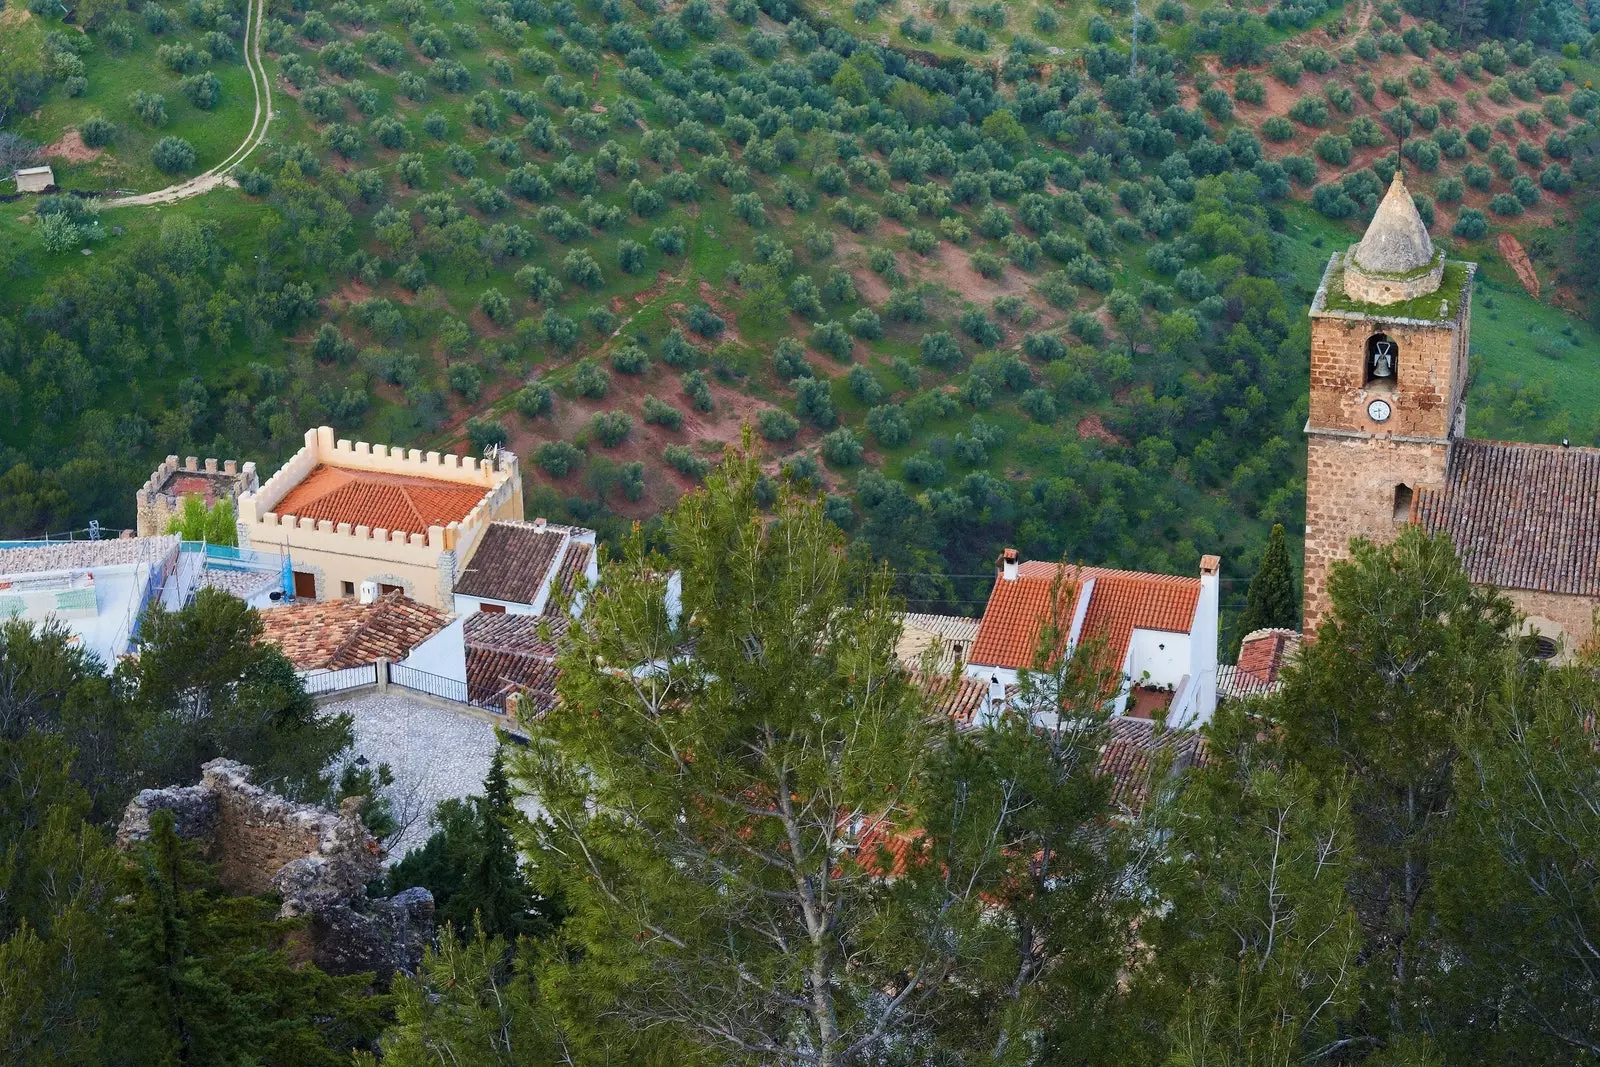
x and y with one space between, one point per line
35 179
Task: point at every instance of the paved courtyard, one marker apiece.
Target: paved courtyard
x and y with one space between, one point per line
436 754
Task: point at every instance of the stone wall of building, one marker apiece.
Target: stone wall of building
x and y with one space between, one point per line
161 496
318 861
1350 492
1566 619
1425 396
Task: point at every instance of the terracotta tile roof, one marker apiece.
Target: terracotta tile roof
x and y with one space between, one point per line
508 654
1262 655
958 699
1119 603
1132 748
512 562
1522 516
379 500
953 633
574 562
334 634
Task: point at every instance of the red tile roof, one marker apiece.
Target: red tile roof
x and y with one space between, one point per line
1521 516
512 654
1130 755
334 634
512 562
574 562
379 500
1119 603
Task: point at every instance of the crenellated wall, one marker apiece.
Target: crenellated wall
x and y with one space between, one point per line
161 496
337 553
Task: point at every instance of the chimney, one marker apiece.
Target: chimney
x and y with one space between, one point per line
1009 564
539 523
1203 638
993 700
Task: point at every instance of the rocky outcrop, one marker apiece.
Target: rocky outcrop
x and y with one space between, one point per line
317 861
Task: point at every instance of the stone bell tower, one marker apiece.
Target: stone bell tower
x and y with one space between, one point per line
1389 334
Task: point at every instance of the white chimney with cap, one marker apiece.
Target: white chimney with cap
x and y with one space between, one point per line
1009 564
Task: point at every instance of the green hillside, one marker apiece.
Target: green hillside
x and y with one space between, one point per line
971 270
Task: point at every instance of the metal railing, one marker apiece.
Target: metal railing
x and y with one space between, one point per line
338 681
432 684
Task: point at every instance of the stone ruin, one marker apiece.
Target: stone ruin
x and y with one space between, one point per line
161 496
319 862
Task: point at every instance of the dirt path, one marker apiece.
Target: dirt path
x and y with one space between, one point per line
218 175
1511 248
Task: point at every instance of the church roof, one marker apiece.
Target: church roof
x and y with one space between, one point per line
1397 242
1522 516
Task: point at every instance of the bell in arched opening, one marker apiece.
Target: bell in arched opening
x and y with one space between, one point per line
1382 354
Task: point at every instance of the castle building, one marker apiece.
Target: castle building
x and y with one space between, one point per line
390 519
1391 326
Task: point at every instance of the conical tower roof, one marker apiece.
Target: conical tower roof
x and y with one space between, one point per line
1397 242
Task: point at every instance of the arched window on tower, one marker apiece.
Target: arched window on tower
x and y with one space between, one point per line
1383 361
1402 503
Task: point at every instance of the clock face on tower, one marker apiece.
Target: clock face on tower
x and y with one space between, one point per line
1378 410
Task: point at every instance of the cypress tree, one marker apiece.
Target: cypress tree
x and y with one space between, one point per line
1271 601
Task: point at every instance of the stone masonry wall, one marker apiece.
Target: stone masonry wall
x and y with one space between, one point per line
1566 619
319 862
1350 492
1424 399
253 834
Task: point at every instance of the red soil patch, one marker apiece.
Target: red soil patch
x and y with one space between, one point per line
72 149
1091 427
1518 259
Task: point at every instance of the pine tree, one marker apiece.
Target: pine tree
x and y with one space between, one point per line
55 874
204 979
1406 659
1271 601
702 782
471 865
473 1003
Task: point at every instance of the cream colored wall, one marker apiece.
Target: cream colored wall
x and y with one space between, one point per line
425 564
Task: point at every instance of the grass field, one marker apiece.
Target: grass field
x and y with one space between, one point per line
113 75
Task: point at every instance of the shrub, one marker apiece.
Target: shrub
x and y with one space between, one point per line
556 458
662 413
611 428
535 399
815 402
151 108
682 459
705 322
775 424
465 379
889 424
832 337
1506 204
940 350
631 256
485 433
630 359
1470 224
97 131
842 448
496 307
694 386
1333 148
201 90
580 268
173 155
590 380
865 386
1277 128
